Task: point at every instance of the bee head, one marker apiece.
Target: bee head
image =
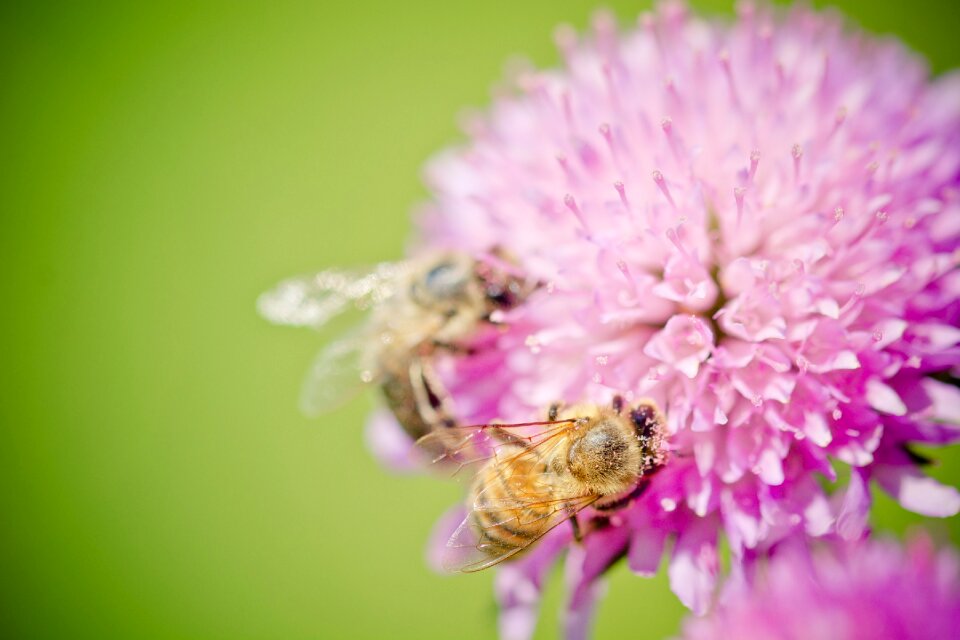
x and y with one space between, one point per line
444 286
502 288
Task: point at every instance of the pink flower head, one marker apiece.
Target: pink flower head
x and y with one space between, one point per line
864 591
754 223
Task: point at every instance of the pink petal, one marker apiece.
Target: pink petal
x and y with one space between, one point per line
769 467
852 519
884 399
586 563
818 517
889 331
946 400
937 336
646 550
688 366
390 444
694 566
917 492
742 516
519 585
816 428
735 354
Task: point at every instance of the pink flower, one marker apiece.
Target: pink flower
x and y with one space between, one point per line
755 224
684 343
863 591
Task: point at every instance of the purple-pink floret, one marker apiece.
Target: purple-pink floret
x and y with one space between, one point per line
845 591
756 224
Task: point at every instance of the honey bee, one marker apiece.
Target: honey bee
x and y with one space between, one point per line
415 308
538 475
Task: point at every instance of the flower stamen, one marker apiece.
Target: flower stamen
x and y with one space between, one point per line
797 152
754 162
662 184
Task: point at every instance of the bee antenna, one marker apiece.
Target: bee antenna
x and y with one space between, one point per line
618 403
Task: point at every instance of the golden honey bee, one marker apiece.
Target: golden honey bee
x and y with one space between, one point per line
537 475
418 307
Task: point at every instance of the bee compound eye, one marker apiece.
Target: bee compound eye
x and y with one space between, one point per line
445 281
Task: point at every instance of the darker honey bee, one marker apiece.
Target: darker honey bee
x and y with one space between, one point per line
538 475
416 309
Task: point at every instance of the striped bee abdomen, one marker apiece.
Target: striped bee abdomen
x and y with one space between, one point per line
510 509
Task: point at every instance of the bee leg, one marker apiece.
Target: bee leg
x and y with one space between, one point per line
577 534
431 398
553 411
618 403
457 349
493 320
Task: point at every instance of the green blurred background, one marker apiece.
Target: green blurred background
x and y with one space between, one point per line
162 165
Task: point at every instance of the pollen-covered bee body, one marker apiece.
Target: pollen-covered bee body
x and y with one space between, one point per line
416 308
532 481
441 307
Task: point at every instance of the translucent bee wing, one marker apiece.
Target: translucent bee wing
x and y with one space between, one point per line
470 549
524 477
517 491
311 301
464 447
467 552
336 375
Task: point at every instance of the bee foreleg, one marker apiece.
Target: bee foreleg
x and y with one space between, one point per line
577 534
553 411
618 403
490 319
452 347
433 403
